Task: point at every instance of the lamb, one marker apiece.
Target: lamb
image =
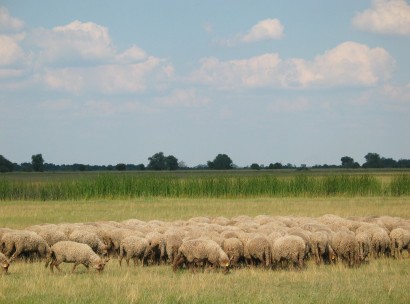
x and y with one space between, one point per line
400 239
233 247
201 251
89 238
346 248
52 236
77 253
257 250
289 248
4 262
134 247
17 242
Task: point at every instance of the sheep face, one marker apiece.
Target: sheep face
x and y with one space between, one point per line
99 266
5 266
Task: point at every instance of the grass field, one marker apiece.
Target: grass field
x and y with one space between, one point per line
380 281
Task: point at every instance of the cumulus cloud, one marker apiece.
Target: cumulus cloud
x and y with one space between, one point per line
398 93
264 30
76 41
385 17
348 64
107 78
77 57
10 51
9 23
253 72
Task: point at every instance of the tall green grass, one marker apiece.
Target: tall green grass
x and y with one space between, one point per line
110 186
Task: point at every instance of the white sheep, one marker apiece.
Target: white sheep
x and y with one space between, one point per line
77 253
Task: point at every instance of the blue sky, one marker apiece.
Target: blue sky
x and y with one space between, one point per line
104 82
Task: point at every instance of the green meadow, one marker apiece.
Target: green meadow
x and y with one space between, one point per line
34 198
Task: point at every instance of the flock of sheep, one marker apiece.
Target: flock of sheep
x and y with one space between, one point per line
216 242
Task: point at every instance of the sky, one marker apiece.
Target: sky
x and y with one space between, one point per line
107 82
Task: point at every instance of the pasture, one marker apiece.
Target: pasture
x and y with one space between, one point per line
380 281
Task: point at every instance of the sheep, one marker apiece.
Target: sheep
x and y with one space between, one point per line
289 248
155 240
18 242
363 240
201 251
400 239
4 262
320 247
169 246
134 247
52 236
257 250
346 248
73 252
89 238
233 247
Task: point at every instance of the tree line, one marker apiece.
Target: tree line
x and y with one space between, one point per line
160 162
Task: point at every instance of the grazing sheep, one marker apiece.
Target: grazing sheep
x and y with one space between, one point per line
233 247
363 240
346 248
257 251
134 247
169 246
155 239
89 238
77 253
4 262
320 246
400 239
52 236
289 248
201 251
18 242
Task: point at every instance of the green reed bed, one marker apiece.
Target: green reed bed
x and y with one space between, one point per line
108 186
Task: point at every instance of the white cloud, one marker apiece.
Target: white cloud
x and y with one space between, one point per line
385 17
182 98
10 51
107 79
348 64
264 30
253 72
75 41
131 55
9 23
398 93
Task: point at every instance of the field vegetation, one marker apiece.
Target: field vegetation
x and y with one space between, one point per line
198 185
33 198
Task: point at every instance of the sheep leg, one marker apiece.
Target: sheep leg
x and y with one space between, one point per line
75 265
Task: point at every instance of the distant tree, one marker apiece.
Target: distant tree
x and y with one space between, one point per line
161 162
82 167
5 165
156 162
372 161
347 162
120 167
140 167
388 163
255 166
403 163
275 166
37 162
171 162
221 162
